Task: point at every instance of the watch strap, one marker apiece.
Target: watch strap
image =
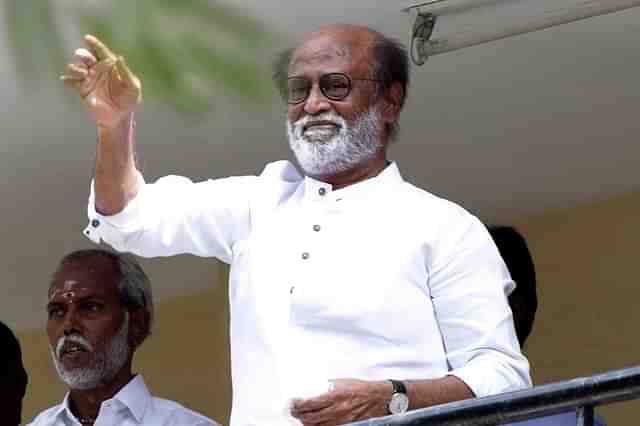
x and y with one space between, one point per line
398 387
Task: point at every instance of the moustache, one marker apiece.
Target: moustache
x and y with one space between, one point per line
72 343
325 116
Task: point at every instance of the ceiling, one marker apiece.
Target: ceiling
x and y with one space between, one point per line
540 121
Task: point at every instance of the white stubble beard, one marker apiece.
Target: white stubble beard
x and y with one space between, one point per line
326 154
107 364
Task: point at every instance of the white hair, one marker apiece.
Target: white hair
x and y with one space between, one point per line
106 364
326 153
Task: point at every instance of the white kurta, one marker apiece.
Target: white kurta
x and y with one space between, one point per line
374 281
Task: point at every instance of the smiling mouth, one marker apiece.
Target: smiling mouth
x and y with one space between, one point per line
321 125
72 351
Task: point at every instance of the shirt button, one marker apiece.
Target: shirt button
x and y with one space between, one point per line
322 191
316 228
95 223
305 255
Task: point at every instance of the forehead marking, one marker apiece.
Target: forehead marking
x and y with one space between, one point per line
66 294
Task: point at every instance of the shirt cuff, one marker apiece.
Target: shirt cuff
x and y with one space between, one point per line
113 228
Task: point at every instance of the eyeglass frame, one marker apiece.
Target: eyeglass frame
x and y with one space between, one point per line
348 78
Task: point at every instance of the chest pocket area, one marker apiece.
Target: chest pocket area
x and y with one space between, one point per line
369 295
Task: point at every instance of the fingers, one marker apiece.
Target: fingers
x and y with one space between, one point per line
83 56
74 75
320 417
98 49
77 72
301 406
84 60
71 82
102 78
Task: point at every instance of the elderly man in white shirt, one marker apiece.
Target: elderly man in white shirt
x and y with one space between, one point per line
353 294
100 310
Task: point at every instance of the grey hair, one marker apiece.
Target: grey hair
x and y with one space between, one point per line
134 287
280 71
390 65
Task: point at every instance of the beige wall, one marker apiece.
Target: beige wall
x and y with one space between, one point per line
586 259
587 264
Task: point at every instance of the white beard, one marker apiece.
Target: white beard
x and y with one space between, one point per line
327 152
107 364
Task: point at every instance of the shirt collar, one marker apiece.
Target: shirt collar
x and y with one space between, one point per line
318 190
63 408
134 395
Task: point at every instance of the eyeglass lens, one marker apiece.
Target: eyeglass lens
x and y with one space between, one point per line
334 86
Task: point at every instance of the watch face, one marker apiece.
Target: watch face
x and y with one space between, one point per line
399 403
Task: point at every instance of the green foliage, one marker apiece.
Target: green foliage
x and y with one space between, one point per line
33 38
188 53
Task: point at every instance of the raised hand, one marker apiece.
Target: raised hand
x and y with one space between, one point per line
106 85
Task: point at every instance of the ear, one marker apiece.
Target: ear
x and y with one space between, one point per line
139 327
392 103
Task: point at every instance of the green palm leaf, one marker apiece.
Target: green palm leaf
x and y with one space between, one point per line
188 52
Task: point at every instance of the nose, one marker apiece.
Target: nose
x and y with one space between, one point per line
316 102
70 324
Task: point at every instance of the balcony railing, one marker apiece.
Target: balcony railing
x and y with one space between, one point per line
581 395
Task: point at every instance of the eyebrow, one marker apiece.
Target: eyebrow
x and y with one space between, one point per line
82 299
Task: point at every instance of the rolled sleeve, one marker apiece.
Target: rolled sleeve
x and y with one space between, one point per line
469 285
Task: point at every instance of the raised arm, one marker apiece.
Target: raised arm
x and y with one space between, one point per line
111 93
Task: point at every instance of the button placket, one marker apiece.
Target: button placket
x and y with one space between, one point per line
308 243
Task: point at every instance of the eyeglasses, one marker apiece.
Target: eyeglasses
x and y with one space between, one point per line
335 86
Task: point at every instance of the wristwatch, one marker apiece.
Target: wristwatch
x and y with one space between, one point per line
399 402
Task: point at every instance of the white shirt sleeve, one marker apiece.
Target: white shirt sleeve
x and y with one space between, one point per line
469 284
176 216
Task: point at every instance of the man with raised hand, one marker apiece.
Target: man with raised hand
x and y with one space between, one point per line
100 311
353 293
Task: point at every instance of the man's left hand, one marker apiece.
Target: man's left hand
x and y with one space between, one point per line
350 400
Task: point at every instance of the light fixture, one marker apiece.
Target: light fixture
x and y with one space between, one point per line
446 25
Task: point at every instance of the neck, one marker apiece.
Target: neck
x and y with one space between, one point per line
86 403
357 174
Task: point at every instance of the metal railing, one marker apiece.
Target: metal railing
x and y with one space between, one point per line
581 395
